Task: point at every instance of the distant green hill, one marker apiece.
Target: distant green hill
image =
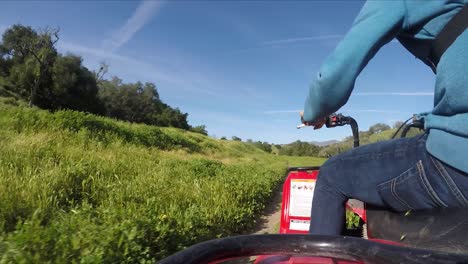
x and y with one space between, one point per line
366 137
377 132
76 187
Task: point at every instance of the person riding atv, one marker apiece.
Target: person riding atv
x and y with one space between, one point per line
424 172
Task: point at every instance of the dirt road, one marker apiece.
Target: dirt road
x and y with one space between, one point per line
268 223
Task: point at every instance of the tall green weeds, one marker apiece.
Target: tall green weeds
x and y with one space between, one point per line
76 187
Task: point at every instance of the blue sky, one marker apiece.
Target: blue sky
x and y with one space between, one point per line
242 68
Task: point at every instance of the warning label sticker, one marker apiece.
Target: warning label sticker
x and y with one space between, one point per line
302 225
301 195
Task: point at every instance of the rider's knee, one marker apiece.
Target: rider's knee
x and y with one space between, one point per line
328 173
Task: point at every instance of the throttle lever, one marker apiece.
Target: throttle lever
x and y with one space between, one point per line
335 120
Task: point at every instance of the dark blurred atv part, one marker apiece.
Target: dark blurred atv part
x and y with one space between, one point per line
324 249
439 229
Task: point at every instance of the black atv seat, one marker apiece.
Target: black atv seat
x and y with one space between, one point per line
441 229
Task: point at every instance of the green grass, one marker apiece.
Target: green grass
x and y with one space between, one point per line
76 187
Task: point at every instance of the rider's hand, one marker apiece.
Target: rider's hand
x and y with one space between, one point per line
317 124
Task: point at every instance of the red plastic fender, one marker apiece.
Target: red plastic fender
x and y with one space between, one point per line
298 193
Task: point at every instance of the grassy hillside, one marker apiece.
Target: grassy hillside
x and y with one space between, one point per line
365 138
76 187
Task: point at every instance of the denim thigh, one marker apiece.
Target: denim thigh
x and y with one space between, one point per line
399 174
427 184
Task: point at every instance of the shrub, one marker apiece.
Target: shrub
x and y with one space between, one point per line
75 187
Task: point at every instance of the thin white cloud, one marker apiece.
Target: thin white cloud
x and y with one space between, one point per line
306 39
376 111
302 39
281 112
139 69
394 94
76 48
287 41
349 110
173 72
140 17
101 54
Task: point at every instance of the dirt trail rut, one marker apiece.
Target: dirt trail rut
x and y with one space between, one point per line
268 222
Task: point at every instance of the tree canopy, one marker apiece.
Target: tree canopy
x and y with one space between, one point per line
31 67
299 148
379 127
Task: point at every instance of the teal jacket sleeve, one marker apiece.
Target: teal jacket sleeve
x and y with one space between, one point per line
377 24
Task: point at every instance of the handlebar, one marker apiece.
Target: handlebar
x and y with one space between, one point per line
335 120
415 122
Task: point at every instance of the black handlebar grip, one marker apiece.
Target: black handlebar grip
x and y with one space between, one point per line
335 120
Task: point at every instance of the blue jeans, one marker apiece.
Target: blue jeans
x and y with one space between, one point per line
397 174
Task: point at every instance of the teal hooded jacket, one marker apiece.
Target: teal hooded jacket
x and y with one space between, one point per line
415 24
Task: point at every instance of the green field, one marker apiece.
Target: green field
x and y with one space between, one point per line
76 187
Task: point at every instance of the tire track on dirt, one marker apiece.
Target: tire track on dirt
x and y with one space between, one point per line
269 220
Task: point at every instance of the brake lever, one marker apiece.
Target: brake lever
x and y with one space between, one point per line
332 120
